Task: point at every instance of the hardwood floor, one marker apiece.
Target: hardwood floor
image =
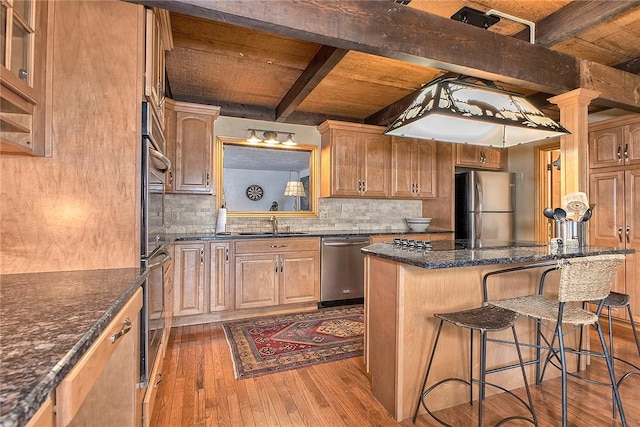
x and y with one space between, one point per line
199 389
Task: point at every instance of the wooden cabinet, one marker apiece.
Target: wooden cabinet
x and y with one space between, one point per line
25 110
413 168
158 40
615 143
219 278
356 160
189 284
478 156
190 147
202 282
271 272
105 379
44 417
616 222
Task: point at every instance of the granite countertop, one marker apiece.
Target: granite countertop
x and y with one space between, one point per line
169 238
443 254
48 321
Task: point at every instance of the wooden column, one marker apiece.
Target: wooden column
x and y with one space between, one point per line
574 148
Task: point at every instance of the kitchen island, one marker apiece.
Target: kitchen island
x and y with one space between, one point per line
405 285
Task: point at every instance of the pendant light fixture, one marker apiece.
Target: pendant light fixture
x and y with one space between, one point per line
453 109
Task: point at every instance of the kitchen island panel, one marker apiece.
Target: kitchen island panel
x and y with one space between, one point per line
411 295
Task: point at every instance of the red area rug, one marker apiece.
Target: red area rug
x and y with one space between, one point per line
270 344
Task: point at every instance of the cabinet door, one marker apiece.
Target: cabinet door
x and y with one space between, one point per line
424 169
492 158
256 280
606 226
605 147
375 163
194 148
219 292
632 144
467 155
154 64
632 264
345 170
190 276
299 277
402 181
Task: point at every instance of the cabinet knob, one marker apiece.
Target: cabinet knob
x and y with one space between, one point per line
620 234
628 234
626 152
201 256
618 153
126 327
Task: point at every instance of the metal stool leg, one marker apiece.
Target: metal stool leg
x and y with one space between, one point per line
633 328
426 376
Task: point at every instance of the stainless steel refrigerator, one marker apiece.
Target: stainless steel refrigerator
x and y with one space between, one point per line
485 207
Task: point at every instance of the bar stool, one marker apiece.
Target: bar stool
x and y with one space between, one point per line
483 320
617 300
581 279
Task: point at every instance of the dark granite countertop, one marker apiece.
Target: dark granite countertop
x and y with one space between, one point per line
448 255
169 238
47 323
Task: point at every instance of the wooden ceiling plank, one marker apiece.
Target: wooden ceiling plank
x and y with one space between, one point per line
322 63
399 32
575 18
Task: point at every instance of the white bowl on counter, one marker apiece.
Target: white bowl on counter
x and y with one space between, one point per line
418 224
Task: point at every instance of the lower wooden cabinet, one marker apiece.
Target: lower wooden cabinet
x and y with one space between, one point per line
105 379
201 279
271 272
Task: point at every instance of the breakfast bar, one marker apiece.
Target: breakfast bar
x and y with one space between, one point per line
407 282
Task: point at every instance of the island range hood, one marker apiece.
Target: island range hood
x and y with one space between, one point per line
452 109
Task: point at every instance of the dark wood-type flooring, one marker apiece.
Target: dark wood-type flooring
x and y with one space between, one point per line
199 389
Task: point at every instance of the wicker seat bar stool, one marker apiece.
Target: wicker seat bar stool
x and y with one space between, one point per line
483 320
617 300
581 279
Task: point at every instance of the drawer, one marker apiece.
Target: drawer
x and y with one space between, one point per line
277 245
75 387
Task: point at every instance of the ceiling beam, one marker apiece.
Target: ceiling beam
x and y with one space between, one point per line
630 66
575 18
255 112
322 63
395 31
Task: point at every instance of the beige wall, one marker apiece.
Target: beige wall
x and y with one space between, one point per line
79 209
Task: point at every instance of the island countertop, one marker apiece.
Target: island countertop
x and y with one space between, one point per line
49 321
446 254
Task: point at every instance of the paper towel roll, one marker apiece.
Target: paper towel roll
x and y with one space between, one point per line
221 221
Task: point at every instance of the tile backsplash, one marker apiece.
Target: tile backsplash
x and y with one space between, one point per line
197 214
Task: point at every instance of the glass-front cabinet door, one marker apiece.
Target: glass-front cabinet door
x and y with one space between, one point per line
23 45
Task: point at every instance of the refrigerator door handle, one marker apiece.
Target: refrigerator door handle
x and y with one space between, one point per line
478 217
479 197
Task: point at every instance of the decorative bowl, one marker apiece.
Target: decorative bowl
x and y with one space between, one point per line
418 224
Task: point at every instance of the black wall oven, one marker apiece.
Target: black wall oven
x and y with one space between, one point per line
154 258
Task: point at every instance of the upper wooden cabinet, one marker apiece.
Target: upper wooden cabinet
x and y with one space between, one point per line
190 147
615 143
158 40
24 54
413 168
356 160
481 157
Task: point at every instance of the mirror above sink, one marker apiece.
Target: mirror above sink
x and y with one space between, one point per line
251 178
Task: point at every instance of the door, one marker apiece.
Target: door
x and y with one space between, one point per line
219 292
496 226
299 277
194 146
257 280
189 269
375 161
491 191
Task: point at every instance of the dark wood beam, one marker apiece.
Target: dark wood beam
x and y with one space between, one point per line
630 66
575 18
255 112
395 31
322 63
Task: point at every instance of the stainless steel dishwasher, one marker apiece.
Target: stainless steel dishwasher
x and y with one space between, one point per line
342 270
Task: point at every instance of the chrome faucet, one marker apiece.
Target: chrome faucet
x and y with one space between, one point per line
274 224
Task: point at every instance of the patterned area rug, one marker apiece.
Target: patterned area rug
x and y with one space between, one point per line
271 344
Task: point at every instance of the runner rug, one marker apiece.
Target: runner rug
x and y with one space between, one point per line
272 344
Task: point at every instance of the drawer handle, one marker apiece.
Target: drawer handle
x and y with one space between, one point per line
125 328
278 246
159 380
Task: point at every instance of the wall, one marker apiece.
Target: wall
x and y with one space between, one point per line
79 209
